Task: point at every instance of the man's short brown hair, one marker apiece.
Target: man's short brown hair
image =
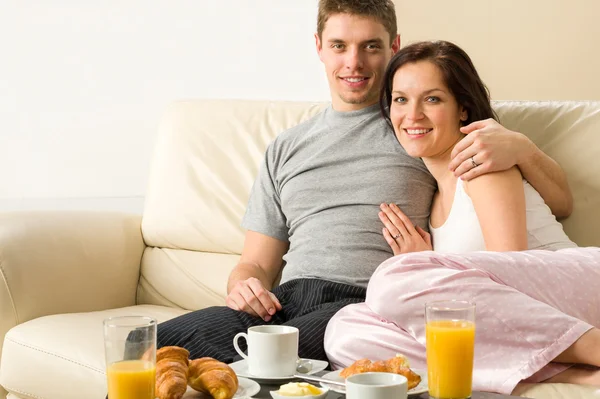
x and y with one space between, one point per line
383 11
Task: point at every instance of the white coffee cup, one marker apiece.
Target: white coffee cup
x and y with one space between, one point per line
272 350
376 386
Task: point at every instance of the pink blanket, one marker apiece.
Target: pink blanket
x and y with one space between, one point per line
530 307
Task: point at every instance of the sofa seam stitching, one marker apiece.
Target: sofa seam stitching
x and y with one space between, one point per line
12 300
54 354
22 392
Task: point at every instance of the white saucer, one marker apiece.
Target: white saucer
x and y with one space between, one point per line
241 369
335 376
246 388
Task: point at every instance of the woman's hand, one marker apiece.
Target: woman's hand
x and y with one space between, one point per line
399 232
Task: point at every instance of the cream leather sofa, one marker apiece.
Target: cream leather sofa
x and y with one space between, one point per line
62 273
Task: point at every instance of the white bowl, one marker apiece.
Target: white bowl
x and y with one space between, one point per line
324 391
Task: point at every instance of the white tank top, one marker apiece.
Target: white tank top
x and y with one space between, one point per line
461 231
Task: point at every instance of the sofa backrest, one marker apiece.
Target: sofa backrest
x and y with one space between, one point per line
207 156
568 131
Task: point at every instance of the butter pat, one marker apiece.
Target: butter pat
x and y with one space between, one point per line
298 389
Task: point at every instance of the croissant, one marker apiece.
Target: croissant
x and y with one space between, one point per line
171 372
397 365
212 377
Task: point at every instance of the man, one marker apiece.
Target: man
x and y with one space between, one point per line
314 205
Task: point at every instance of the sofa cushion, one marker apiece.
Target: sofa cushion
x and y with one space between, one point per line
206 158
184 279
41 355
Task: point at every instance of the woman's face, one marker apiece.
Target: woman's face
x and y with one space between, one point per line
425 115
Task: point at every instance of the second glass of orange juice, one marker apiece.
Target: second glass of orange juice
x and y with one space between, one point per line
450 334
130 347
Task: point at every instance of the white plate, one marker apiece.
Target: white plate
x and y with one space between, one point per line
335 376
322 395
246 389
241 369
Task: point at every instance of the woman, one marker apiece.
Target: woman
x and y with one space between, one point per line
430 90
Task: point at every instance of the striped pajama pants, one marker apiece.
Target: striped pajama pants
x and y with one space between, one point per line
307 304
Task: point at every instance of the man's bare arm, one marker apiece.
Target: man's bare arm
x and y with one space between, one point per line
254 276
490 147
548 178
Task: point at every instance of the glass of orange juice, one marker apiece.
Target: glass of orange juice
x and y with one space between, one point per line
130 348
450 334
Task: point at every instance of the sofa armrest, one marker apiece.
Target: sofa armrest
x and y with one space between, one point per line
65 262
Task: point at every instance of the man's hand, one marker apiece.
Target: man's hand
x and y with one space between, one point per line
488 147
399 232
255 274
251 297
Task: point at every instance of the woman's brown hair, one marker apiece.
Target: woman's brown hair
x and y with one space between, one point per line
458 71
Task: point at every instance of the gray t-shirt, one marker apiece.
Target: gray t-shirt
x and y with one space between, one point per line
320 186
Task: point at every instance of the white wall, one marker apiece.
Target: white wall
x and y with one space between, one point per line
523 49
83 85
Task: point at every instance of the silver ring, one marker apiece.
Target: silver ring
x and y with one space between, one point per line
475 164
396 236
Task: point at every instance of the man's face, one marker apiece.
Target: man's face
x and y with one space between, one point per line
355 51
